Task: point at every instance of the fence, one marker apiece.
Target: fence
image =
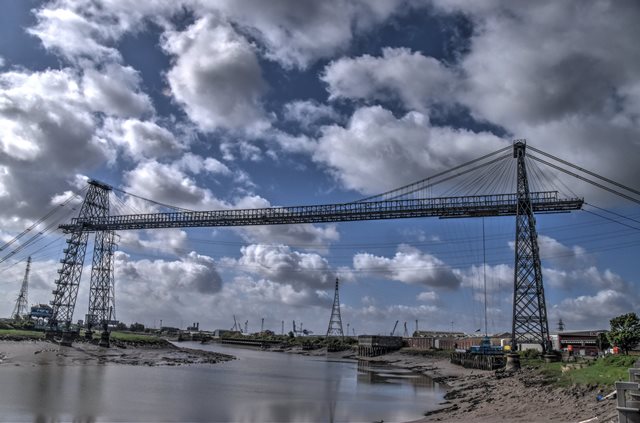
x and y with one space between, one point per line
629 397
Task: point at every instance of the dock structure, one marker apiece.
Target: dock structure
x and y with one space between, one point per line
375 345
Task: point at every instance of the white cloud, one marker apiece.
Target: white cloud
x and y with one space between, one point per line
376 151
400 74
308 113
296 33
594 311
115 90
82 30
428 296
579 90
280 264
216 77
409 265
168 241
47 135
142 139
193 272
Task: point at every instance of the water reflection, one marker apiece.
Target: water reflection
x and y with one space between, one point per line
258 386
371 372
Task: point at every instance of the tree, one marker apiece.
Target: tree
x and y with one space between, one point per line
625 332
136 327
602 341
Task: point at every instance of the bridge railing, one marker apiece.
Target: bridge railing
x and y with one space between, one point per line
467 206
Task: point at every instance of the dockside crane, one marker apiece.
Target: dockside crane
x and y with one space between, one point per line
394 328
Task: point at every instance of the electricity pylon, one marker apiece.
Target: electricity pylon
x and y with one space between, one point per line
335 322
21 307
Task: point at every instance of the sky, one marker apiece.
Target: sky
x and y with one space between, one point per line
209 105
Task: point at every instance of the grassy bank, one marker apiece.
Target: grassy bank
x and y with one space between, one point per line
138 339
20 333
602 372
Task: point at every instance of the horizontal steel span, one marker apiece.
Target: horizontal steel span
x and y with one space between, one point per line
446 207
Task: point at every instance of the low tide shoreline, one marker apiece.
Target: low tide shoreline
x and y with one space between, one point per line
472 395
490 396
41 352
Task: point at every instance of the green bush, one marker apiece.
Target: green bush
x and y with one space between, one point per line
530 354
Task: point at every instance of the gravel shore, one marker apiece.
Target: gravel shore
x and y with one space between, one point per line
489 396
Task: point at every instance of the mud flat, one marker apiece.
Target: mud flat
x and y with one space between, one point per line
42 353
490 396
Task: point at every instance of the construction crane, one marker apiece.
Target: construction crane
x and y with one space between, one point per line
236 327
246 327
394 328
406 331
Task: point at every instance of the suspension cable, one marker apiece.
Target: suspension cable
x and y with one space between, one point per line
151 201
42 219
594 183
612 182
422 181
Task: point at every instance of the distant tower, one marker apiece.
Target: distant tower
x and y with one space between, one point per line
22 301
560 325
335 322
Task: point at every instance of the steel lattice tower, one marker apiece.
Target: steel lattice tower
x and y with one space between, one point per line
22 302
101 293
530 323
335 322
94 207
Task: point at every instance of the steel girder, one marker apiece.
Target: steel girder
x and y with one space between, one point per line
95 206
530 323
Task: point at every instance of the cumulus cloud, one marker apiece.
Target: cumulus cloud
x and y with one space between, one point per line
594 311
165 279
428 296
168 241
409 265
115 90
579 91
85 30
216 76
417 81
377 151
309 113
142 139
296 33
46 136
280 264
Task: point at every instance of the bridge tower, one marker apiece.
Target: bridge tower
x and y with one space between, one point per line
94 207
21 307
335 322
530 323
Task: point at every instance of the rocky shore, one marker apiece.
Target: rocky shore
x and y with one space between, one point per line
37 353
492 396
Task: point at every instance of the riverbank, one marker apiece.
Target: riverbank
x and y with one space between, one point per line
487 396
162 353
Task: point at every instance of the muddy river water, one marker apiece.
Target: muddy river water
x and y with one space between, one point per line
257 387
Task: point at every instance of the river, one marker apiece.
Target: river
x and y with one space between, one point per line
257 387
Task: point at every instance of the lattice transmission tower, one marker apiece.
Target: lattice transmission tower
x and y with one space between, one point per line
530 323
335 322
95 207
102 289
22 302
